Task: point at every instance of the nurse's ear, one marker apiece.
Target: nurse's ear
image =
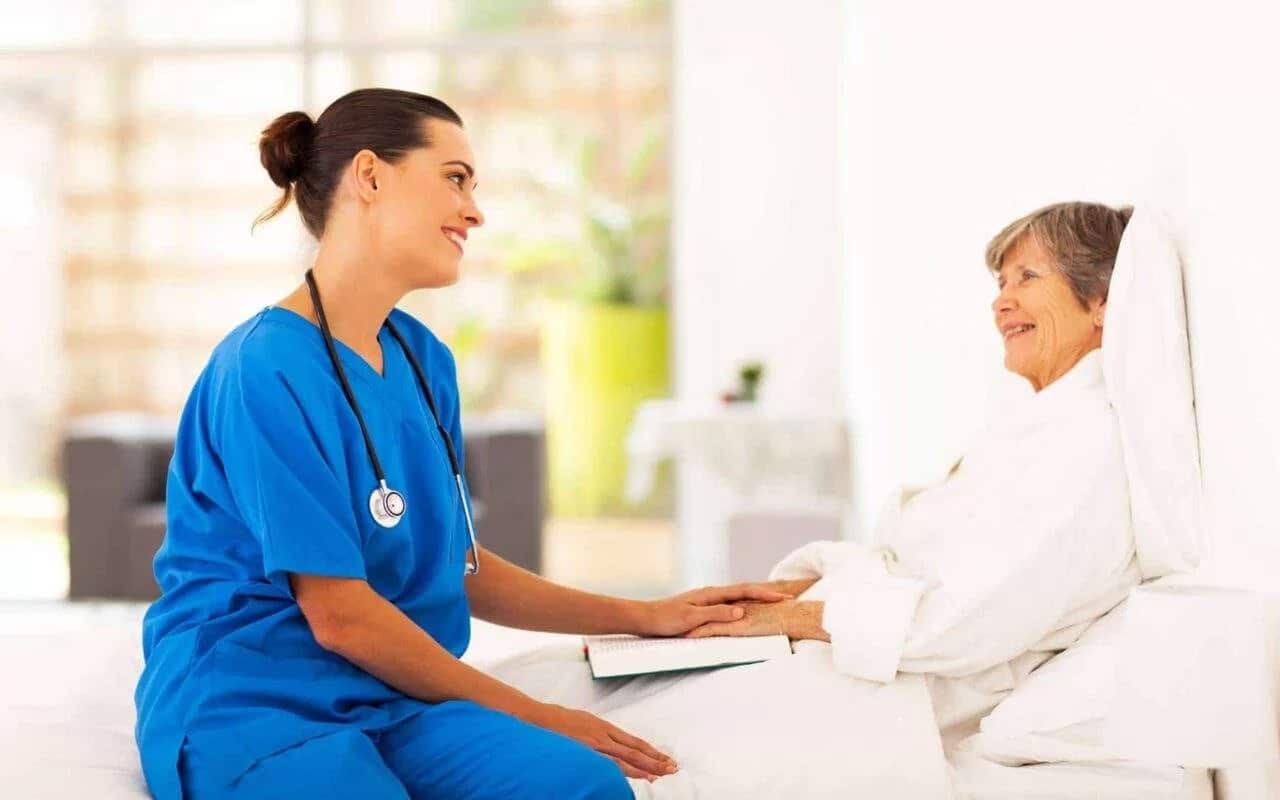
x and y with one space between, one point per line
1100 314
364 174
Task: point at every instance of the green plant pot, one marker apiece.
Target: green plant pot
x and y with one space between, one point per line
599 362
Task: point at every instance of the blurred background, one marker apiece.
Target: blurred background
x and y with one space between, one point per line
129 177
730 291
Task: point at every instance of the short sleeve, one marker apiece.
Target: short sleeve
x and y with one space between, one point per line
281 480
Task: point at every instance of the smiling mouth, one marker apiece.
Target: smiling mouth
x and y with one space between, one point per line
454 237
1014 333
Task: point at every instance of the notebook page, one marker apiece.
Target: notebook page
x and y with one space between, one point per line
626 655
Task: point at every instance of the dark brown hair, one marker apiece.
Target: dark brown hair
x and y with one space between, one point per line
306 158
1082 238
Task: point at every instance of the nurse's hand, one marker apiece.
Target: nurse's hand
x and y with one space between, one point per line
638 758
682 613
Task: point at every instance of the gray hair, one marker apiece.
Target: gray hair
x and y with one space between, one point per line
1082 238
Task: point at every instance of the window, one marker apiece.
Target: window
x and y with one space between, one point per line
159 179
148 119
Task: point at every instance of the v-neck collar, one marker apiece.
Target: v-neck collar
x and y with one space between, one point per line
1077 387
352 361
1083 377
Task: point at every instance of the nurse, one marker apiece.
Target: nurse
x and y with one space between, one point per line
319 570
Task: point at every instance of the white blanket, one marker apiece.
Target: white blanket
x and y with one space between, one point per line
791 727
797 728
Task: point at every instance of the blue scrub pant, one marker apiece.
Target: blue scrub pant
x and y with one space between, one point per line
456 749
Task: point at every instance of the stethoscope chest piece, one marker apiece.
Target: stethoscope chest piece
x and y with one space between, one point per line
387 506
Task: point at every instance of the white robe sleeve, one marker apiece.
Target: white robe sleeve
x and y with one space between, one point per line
856 577
994 578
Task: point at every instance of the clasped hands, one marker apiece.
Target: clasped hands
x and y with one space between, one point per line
746 609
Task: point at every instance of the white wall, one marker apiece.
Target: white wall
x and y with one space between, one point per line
956 121
755 261
1234 283
958 117
755 251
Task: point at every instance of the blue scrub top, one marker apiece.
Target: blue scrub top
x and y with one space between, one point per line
270 476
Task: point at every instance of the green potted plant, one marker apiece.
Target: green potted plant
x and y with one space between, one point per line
604 329
749 376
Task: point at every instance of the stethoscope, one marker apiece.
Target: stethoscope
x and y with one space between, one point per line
386 504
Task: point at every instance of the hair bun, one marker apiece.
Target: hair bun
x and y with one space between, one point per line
284 146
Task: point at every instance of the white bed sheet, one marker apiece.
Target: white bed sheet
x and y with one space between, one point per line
67 673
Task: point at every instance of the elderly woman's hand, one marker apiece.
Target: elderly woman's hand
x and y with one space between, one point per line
795 588
682 613
797 620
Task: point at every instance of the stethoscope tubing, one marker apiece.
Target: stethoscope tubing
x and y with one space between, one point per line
472 567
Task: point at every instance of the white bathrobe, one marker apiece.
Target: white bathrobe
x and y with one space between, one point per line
978 579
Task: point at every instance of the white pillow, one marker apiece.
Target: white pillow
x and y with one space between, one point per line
1147 366
1058 712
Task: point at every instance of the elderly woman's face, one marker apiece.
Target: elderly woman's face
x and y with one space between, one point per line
1045 329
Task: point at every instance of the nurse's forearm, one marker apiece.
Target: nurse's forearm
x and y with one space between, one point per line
349 618
506 594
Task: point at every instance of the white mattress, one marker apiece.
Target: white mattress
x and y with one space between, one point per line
983 780
66 715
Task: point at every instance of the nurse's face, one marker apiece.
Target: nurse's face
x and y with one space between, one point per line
425 208
1044 327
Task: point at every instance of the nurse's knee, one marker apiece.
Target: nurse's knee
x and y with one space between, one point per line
570 770
597 777
334 766
609 784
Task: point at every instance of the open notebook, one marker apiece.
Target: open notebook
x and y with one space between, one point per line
614 656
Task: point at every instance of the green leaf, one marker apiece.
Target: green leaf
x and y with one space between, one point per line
640 164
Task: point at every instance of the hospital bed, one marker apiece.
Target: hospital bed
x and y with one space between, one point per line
66 715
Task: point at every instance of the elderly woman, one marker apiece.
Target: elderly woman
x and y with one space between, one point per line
978 579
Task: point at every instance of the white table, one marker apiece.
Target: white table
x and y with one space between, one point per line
738 459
